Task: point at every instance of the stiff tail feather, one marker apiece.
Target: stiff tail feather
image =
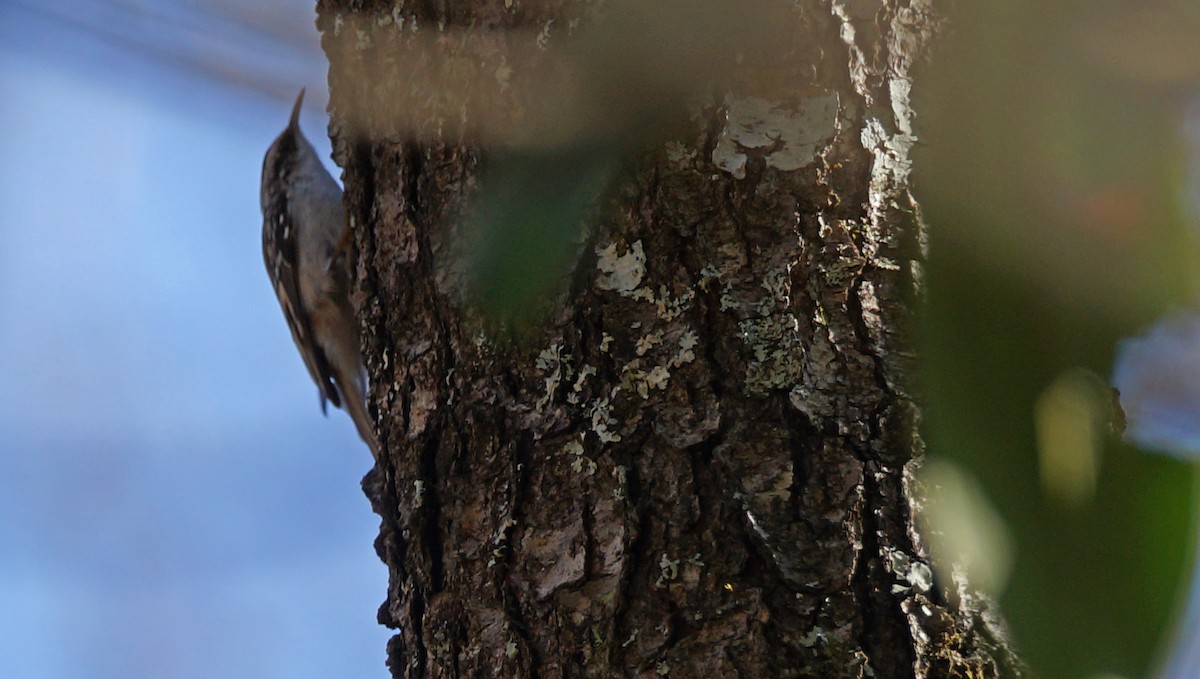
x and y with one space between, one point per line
354 401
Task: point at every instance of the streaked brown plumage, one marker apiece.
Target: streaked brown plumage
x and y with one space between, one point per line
303 223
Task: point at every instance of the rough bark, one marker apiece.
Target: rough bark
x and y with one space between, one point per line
701 465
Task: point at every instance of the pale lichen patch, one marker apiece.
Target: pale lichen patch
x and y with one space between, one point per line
633 378
500 541
647 342
621 473
621 273
678 152
504 74
550 363
815 635
912 573
603 422
668 570
422 404
789 139
543 38
580 462
633 635
777 352
687 342
584 373
657 377
668 307
641 378
777 283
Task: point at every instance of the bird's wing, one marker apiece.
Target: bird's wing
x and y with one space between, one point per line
279 236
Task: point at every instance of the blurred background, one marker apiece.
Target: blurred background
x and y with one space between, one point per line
172 503
1058 175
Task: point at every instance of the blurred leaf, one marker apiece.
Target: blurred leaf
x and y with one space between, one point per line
964 529
529 220
1072 415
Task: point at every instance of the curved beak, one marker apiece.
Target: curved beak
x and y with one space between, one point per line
294 123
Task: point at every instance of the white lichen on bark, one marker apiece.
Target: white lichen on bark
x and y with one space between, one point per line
788 139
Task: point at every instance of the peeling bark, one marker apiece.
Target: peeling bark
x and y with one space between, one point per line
701 467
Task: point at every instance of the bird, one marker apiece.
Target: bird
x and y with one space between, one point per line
304 241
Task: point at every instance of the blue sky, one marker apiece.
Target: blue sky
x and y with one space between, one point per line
172 503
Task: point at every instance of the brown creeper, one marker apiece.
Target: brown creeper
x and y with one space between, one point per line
304 232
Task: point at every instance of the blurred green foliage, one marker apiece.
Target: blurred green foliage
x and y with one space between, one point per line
1052 184
529 221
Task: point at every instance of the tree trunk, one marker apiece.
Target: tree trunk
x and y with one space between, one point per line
701 466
